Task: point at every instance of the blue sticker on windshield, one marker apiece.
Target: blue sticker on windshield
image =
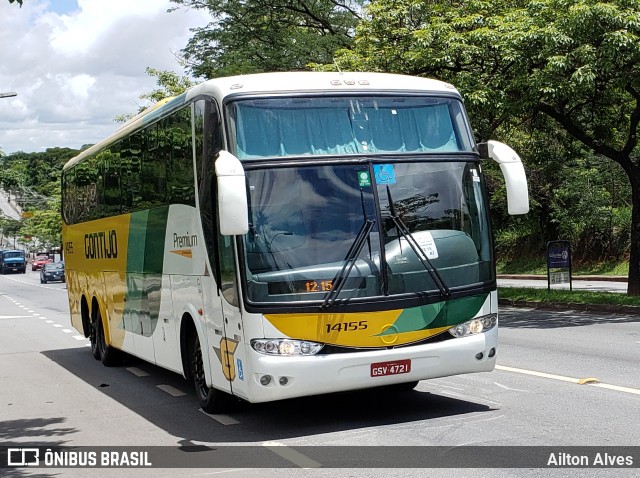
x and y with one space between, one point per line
384 173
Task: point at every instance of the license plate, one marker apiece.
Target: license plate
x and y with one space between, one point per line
396 367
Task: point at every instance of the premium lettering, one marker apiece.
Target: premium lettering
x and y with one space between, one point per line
185 241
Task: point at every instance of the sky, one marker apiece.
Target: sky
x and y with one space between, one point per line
77 64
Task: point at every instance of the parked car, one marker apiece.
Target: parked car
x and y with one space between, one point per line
52 271
39 261
12 260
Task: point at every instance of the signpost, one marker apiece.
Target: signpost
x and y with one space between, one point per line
559 263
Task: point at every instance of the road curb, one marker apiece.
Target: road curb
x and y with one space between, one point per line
609 308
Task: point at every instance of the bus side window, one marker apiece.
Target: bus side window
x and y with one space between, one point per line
130 175
227 265
153 170
181 179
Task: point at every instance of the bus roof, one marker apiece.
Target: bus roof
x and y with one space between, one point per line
278 83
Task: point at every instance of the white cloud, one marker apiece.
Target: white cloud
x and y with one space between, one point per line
75 71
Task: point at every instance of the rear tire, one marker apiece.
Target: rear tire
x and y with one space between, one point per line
106 353
211 400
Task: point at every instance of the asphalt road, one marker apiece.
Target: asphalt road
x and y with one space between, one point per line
53 393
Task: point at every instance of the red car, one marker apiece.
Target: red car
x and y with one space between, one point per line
38 262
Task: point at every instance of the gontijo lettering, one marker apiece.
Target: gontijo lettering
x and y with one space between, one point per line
101 245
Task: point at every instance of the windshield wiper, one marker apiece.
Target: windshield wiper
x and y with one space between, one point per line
422 257
349 261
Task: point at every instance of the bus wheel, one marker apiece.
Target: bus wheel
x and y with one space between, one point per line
106 353
211 400
93 338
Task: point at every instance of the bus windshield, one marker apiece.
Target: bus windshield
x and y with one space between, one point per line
304 126
307 221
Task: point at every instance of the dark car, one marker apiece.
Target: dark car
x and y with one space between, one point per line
52 271
39 261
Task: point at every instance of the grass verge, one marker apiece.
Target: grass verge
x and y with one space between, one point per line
565 296
528 265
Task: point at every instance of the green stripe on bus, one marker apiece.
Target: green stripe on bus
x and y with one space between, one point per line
147 231
154 240
137 242
440 314
145 261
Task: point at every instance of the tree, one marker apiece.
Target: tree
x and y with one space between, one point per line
577 62
169 84
19 2
268 35
9 228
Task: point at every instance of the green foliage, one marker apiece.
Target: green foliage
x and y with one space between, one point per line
34 179
536 264
566 296
575 63
268 35
169 84
45 226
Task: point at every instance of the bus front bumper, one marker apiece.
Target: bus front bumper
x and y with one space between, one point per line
281 377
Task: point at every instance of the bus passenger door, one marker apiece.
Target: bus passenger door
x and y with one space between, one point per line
232 344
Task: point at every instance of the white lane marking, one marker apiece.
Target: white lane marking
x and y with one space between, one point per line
67 331
617 388
508 388
220 418
137 372
79 337
291 455
49 321
174 392
14 316
57 325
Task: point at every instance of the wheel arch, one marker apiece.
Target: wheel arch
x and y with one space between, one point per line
189 327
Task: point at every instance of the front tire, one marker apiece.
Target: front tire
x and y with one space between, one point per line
211 400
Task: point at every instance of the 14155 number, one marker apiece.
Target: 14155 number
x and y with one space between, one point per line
347 326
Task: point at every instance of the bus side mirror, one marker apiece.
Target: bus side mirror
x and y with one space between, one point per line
513 172
233 212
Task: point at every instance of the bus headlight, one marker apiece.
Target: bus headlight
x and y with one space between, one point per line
474 326
285 347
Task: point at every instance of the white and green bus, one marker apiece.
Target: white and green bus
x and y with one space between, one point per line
280 235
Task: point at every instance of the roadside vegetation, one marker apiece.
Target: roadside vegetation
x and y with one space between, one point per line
559 81
543 296
537 265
